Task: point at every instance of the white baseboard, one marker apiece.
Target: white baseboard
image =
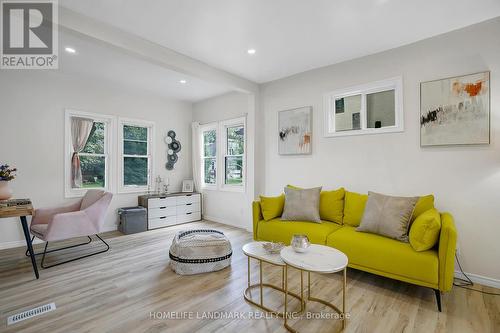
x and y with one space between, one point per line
224 221
479 279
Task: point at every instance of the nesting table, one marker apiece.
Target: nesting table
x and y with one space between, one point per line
317 259
254 250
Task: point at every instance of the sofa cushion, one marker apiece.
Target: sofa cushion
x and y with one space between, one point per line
385 255
302 204
354 207
424 232
331 205
272 207
388 216
277 230
424 203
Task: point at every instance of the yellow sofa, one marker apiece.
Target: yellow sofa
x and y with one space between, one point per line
372 253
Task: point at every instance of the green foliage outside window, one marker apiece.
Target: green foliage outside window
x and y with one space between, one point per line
135 163
94 167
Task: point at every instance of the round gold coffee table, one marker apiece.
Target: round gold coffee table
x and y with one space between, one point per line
317 259
254 250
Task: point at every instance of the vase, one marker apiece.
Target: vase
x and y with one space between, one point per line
5 190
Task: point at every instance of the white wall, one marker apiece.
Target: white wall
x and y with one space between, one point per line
233 208
465 180
32 134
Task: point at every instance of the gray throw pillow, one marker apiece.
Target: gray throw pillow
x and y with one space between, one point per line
302 204
388 216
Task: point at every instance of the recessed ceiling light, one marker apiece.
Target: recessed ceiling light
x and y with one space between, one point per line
69 50
183 81
251 51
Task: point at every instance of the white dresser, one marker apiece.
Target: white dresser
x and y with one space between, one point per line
170 209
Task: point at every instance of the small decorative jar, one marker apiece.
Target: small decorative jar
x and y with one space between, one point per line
300 243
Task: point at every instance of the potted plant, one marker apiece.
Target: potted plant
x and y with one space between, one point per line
7 174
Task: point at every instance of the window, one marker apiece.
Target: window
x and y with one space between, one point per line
223 148
209 155
135 151
95 157
234 140
367 109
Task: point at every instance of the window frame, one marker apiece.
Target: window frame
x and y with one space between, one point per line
109 128
395 83
224 125
205 128
122 188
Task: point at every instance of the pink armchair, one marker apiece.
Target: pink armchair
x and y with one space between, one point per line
82 218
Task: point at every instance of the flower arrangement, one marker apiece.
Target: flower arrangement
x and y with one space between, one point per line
7 173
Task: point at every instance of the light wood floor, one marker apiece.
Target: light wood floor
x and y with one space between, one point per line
119 290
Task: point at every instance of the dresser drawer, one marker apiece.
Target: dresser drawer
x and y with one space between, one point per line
162 211
154 223
161 202
188 199
189 217
189 208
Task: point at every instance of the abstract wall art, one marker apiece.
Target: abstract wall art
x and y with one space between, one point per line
455 111
295 131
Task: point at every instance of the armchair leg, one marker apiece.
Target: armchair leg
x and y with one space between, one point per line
438 298
68 247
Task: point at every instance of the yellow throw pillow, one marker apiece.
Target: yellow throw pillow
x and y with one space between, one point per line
424 232
331 205
272 207
354 207
423 204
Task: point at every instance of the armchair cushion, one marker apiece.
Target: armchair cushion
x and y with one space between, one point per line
91 197
39 230
73 221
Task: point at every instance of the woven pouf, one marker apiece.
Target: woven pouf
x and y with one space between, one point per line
200 251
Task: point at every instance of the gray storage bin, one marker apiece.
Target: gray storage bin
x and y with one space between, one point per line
132 220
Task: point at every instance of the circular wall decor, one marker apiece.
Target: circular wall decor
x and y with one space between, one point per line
174 146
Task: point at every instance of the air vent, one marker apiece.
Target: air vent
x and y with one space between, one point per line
31 313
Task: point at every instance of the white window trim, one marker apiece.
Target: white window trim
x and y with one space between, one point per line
109 143
205 128
151 169
223 125
395 84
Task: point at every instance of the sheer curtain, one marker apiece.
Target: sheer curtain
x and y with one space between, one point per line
196 151
80 131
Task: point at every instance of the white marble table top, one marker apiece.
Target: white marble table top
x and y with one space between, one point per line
255 250
317 258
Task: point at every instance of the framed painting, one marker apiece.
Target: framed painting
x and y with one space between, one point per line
455 111
295 131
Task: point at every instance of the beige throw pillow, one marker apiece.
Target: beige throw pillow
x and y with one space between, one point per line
302 204
388 216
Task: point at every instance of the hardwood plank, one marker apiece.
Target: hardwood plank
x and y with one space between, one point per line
118 290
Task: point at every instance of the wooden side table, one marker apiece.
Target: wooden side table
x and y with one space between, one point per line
22 211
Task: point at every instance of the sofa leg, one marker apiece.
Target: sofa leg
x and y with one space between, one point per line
438 298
